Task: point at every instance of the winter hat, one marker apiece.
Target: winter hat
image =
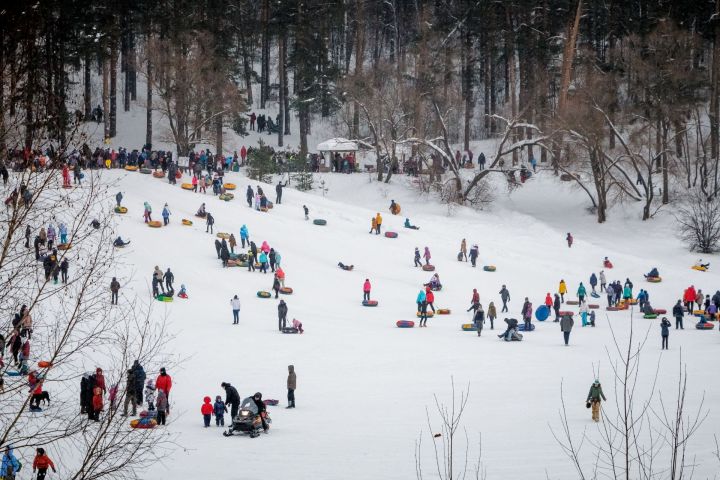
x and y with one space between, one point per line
218 398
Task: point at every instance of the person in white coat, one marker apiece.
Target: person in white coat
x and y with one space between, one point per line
235 303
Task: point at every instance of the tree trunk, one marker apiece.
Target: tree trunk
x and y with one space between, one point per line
511 76
219 135
87 94
359 57
303 121
149 110
286 96
3 143
247 66
29 94
132 66
113 89
265 67
714 112
281 90
665 169
468 57
105 97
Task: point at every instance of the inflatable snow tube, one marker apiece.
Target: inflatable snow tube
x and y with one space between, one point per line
698 312
615 309
182 295
12 373
131 168
44 364
607 264
428 268
64 246
572 302
148 414
650 316
705 326
223 235
489 268
468 327
263 294
521 327
319 221
286 290
263 209
370 303
443 311
654 279
229 186
186 186
158 174
186 222
593 306
699 268
242 264
146 171
595 295
566 313
120 209
143 423
155 224
659 311
232 263
226 196
290 330
429 314
405 324
542 313
164 298
391 234
632 301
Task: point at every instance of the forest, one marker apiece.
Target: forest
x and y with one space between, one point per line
619 97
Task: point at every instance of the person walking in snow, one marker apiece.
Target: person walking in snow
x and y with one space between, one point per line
527 311
232 398
584 313
422 307
603 280
581 292
593 281
279 191
307 212
474 252
665 332
463 250
569 239
291 386
474 301
276 285
556 307
235 304
418 263
249 196
430 298
114 289
479 319
566 325
505 297
263 259
373 225
166 214
219 410
678 313
427 256
232 242
594 398
492 315
366 290
562 290
169 278
209 222
378 223
148 212
244 236
118 199
282 315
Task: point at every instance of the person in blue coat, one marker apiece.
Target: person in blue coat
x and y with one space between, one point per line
593 281
665 332
244 235
409 225
422 307
166 214
10 465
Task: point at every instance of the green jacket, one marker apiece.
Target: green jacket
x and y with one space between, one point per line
581 290
596 393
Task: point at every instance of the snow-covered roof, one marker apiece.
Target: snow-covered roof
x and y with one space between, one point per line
337 145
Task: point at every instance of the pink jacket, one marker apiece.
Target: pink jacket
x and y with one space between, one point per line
366 286
265 247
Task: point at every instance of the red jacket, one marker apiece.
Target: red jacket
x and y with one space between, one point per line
26 349
43 461
38 389
366 286
97 400
100 379
207 408
164 383
243 152
690 294
548 301
429 296
475 297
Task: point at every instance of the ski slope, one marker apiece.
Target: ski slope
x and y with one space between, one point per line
363 384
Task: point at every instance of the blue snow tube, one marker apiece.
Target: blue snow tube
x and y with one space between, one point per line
521 327
542 313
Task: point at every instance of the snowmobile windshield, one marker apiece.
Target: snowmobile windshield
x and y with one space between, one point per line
249 404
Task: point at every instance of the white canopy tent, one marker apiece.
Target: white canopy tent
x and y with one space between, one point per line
340 145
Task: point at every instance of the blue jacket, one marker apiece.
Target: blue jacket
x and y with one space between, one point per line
8 461
665 328
219 408
244 232
277 258
165 212
263 258
420 297
593 280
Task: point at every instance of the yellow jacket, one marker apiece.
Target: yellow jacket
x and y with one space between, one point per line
378 219
562 288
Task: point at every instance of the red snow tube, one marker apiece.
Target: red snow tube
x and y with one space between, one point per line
564 313
143 423
370 303
615 309
405 324
286 290
660 311
608 264
428 268
391 234
705 326
593 306
44 364
443 311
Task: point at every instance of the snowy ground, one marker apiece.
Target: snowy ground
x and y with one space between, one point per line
364 385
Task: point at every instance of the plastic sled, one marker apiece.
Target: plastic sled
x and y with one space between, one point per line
289 330
164 298
595 295
182 295
699 268
542 313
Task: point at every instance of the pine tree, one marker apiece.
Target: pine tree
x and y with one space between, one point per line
261 163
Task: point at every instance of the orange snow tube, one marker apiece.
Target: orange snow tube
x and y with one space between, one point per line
186 186
155 224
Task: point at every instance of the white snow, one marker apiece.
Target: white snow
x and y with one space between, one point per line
363 384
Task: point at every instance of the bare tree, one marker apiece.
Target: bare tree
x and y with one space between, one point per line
699 219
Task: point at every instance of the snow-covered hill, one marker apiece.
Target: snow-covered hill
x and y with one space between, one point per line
363 384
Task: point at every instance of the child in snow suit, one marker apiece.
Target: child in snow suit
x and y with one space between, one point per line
430 298
207 411
373 225
161 404
366 290
426 256
594 398
150 395
41 463
474 252
418 263
219 410
479 319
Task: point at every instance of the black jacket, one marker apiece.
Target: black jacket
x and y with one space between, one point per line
678 311
231 395
504 294
282 309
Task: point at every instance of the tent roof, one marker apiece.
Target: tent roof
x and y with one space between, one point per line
337 145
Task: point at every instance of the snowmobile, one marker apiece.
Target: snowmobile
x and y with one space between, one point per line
247 421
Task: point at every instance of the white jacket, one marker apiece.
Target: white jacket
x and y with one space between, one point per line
235 302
